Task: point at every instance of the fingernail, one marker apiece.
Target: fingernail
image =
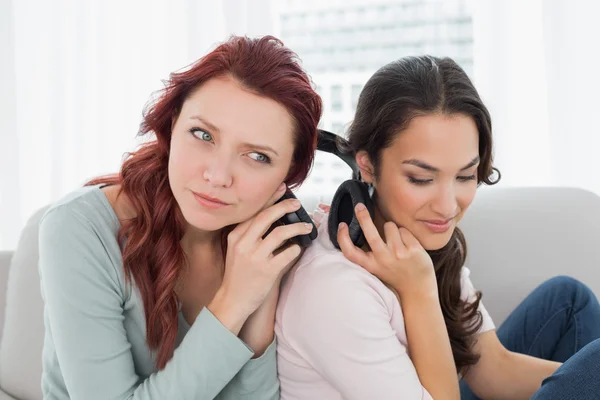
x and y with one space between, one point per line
296 203
308 226
281 187
360 207
342 225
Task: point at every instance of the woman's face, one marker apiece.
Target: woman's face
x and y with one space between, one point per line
230 151
428 177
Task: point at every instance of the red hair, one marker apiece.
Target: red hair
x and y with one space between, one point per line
152 254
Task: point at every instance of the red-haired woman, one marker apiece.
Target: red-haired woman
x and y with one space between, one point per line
157 281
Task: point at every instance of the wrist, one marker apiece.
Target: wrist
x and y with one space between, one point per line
257 337
419 296
258 331
424 291
228 311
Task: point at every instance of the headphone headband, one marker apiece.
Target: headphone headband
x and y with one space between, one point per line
328 142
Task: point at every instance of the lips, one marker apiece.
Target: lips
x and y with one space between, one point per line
213 199
437 225
209 201
439 222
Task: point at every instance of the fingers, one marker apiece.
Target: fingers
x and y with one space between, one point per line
278 236
242 227
369 230
351 252
290 264
266 218
324 207
410 241
393 239
286 257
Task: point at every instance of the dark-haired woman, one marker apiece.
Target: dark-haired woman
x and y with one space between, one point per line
399 318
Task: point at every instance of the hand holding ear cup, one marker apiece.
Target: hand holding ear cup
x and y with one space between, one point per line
300 215
347 196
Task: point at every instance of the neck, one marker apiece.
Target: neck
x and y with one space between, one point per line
195 241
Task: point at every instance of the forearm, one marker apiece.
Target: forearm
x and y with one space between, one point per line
429 345
259 330
520 376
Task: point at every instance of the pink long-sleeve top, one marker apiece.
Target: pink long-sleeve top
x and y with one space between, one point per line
341 333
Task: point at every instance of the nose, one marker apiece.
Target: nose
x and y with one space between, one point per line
218 172
445 204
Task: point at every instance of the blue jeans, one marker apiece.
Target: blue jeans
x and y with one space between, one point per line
559 321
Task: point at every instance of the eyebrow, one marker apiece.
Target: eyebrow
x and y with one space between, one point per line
424 165
205 122
246 144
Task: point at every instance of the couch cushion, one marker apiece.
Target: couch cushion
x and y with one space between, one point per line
23 332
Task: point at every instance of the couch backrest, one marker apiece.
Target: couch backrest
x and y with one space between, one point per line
519 237
23 332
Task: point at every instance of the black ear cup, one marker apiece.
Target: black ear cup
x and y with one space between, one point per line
302 216
347 196
299 215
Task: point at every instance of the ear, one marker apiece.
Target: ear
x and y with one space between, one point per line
367 172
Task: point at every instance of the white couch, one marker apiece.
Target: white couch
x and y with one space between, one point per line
516 239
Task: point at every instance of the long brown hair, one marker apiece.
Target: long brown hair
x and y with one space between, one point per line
393 96
152 254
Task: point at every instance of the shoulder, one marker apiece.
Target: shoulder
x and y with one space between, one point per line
467 290
80 211
78 241
324 283
324 268
330 271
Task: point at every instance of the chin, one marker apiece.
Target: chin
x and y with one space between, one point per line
435 242
204 221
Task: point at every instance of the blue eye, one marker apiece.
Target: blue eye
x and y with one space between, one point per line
261 158
201 134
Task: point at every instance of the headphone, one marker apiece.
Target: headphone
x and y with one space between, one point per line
347 196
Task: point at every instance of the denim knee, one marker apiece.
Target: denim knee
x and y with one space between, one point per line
593 350
570 288
585 361
575 379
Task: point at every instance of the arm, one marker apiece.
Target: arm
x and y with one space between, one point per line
83 300
258 331
340 324
502 374
429 344
258 378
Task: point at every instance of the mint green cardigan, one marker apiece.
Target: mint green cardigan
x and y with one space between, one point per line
95 331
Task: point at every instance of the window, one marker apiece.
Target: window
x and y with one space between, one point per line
343 43
336 98
337 128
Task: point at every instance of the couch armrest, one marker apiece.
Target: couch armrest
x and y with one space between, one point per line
5 257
